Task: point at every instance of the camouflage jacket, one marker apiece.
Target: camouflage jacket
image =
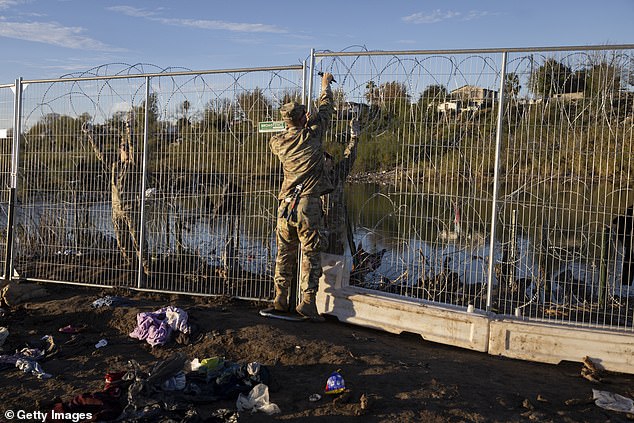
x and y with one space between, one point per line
301 153
124 176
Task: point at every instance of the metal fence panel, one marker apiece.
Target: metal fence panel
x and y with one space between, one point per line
7 99
420 201
566 196
200 171
423 214
214 181
64 229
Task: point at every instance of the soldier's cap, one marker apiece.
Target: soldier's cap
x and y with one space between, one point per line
292 111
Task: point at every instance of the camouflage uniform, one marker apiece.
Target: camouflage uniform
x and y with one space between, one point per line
301 154
334 204
124 190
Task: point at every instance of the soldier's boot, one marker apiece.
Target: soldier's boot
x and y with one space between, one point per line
280 303
308 307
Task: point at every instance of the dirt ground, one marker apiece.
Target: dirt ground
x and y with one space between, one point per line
389 378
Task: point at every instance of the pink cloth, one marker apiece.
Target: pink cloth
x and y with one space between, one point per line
156 327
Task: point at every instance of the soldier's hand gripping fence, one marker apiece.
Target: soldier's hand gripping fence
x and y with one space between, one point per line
290 211
322 74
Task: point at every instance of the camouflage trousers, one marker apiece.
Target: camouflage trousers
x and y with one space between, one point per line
335 220
305 228
126 230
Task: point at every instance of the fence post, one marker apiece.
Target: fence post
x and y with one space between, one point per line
142 243
304 94
309 97
496 177
17 130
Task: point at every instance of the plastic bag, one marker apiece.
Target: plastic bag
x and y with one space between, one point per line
257 400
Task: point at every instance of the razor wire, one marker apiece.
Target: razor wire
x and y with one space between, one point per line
419 197
401 268
188 241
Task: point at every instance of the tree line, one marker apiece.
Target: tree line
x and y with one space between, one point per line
399 130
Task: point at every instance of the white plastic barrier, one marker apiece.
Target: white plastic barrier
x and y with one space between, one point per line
453 326
547 343
477 330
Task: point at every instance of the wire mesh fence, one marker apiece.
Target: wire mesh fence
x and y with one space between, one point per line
522 210
160 182
424 156
7 103
560 190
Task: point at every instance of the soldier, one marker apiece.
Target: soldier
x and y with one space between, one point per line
300 214
623 225
334 203
124 189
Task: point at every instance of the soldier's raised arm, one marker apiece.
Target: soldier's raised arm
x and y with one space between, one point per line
88 129
319 121
344 166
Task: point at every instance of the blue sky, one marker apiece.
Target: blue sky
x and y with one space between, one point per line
49 38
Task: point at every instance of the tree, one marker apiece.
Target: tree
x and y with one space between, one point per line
216 115
432 95
393 91
184 109
339 96
512 85
372 93
183 122
551 78
289 96
602 80
54 132
255 106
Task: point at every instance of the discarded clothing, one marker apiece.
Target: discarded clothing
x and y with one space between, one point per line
176 319
224 415
231 379
112 301
211 367
156 327
31 366
612 401
175 383
148 397
26 359
72 329
257 400
102 406
4 334
151 328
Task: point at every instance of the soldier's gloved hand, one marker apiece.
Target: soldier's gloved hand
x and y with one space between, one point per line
355 128
326 79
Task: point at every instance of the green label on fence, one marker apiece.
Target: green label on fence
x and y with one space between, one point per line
273 126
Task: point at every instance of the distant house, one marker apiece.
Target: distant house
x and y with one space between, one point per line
468 98
448 106
474 97
568 96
